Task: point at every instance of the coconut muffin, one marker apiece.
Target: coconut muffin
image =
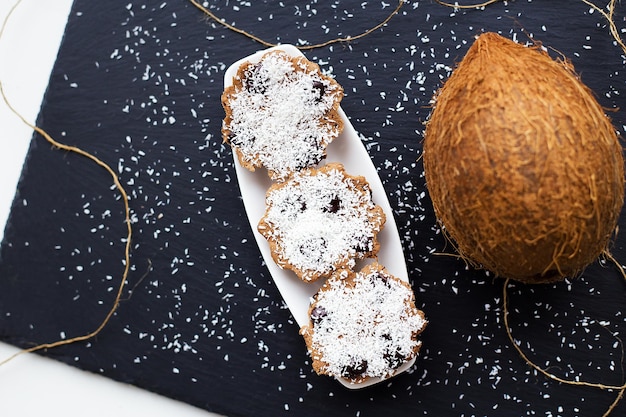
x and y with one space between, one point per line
320 221
281 114
363 326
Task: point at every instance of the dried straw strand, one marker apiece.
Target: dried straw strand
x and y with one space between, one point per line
302 47
467 6
608 15
124 195
505 314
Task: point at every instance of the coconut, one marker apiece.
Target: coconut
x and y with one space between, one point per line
523 166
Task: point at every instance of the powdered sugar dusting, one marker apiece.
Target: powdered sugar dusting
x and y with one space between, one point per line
321 219
368 326
279 114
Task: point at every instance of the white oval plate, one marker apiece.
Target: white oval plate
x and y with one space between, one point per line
349 150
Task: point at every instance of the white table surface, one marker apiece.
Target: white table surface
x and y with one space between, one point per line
31 385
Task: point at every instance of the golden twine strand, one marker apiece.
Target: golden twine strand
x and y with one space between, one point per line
609 16
505 314
301 47
6 18
124 195
467 6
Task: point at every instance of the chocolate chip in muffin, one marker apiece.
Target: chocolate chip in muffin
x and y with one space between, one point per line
354 370
320 88
333 206
318 314
255 82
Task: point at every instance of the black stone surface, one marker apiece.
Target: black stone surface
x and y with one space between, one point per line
138 84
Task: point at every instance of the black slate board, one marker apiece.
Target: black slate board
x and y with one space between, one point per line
138 84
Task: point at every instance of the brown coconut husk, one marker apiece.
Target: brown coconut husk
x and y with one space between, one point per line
524 168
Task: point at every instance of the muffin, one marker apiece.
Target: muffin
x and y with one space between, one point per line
363 326
321 220
281 114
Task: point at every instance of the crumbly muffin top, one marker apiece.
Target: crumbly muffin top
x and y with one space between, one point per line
364 326
281 113
321 218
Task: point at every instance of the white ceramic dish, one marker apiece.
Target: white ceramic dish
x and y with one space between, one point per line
349 150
